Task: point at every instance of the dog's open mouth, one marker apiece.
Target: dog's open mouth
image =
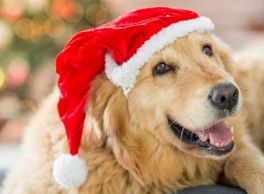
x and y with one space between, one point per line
216 140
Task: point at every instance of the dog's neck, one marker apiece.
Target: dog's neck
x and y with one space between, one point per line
148 162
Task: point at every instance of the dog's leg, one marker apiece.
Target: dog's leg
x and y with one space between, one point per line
245 168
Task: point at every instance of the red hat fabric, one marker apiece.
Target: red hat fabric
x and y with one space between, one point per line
120 48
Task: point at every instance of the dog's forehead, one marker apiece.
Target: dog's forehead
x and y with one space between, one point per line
187 45
193 40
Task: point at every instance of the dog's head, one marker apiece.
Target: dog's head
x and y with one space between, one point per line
164 95
181 97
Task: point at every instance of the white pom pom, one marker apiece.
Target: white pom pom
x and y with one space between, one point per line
70 171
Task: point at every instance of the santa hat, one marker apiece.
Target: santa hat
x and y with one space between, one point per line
120 48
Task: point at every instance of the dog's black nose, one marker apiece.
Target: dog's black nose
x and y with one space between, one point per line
224 96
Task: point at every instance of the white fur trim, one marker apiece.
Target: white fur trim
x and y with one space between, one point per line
124 75
69 171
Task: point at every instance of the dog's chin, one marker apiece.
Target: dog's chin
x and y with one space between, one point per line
215 141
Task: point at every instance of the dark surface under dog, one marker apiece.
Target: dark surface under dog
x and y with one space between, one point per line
211 189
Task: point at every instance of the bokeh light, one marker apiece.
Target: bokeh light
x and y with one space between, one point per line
12 9
96 14
62 8
54 27
39 23
6 34
17 72
2 78
35 6
78 13
25 28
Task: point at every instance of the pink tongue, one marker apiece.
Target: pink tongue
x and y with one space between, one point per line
218 133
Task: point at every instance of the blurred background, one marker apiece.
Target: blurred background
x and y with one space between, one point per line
32 32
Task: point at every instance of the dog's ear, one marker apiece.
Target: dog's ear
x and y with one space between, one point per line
123 136
107 115
99 96
111 124
117 123
225 53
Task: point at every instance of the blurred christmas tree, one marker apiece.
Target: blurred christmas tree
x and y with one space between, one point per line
32 33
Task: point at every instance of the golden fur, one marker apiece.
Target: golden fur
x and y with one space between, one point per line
127 143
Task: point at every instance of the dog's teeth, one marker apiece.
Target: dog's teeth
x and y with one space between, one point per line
212 142
217 144
232 129
233 137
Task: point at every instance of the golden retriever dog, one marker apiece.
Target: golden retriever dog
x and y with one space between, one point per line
164 136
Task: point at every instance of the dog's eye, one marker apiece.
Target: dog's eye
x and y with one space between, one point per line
162 68
207 49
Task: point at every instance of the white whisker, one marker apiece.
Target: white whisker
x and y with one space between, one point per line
172 123
181 138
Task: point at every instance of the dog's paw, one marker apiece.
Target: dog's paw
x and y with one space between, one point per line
256 185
